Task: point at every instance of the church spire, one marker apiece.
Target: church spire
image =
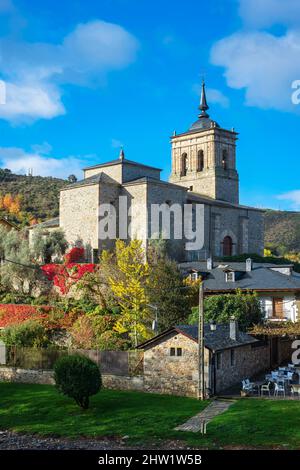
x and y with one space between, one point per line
122 154
203 103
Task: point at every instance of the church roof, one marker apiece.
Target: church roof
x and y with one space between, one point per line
119 161
94 179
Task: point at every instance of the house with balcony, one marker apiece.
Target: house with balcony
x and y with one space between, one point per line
277 285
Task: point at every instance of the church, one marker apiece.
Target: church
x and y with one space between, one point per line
203 174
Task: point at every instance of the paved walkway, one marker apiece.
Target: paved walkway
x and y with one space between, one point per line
195 424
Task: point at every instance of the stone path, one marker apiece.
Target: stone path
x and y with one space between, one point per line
195 424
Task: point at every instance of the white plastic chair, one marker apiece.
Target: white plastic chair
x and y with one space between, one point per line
279 388
265 388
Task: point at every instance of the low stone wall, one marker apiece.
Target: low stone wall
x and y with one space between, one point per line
30 376
13 374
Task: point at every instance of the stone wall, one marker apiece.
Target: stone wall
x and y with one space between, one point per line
30 376
248 361
79 214
176 375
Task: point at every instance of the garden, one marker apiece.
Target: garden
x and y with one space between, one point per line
148 418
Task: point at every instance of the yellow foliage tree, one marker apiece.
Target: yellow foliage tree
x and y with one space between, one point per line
7 201
129 286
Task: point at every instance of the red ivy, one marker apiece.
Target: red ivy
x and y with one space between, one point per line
75 255
64 276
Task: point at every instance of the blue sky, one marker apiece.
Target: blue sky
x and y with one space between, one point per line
84 77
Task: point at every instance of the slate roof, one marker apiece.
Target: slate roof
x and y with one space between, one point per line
51 223
261 278
94 179
216 340
118 161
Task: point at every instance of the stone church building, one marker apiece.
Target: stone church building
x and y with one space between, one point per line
203 173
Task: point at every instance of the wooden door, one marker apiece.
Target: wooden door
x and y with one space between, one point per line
278 307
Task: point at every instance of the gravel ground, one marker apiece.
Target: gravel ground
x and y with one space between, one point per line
15 441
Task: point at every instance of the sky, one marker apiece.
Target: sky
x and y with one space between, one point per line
80 79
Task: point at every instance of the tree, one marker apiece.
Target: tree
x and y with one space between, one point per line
47 245
77 377
72 179
128 283
19 272
167 289
245 307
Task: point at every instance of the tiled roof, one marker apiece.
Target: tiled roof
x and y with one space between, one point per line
48 223
94 179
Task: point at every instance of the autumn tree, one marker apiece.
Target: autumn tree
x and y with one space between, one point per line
128 283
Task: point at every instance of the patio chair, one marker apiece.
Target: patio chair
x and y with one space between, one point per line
274 375
282 369
291 366
295 391
265 388
279 389
247 386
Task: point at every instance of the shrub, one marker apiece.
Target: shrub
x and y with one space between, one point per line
29 334
77 377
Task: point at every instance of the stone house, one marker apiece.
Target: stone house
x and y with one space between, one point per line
203 175
171 359
277 286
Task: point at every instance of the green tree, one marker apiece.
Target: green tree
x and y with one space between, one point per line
19 271
172 297
78 377
245 307
48 245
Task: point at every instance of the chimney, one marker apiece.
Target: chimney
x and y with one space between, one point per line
233 329
209 263
248 265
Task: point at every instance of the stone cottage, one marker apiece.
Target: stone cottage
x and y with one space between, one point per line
171 359
203 175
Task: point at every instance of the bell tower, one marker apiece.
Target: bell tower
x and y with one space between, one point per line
204 158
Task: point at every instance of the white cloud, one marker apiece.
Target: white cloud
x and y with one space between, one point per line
265 13
293 197
261 63
20 161
36 72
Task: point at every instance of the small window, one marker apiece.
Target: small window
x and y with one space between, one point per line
200 160
194 276
179 351
219 361
184 164
172 351
224 159
232 357
230 276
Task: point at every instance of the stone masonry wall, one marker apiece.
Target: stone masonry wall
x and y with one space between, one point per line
248 362
176 375
30 376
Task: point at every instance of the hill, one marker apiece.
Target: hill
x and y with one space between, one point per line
282 231
39 196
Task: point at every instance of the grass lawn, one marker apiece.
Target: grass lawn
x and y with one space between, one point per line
148 417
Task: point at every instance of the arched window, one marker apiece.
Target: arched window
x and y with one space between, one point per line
184 164
227 246
224 159
200 160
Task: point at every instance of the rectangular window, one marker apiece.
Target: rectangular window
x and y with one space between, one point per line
172 351
179 351
219 360
232 357
230 276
